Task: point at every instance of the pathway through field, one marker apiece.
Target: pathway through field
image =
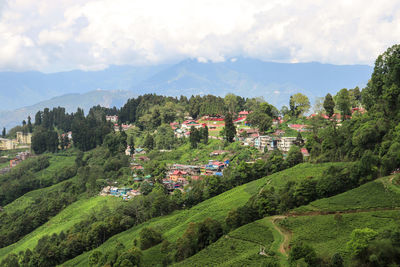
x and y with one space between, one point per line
286 234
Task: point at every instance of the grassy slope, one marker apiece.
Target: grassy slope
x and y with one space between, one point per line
329 236
241 247
173 226
57 162
61 222
377 194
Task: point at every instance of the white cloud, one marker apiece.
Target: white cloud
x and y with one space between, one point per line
91 34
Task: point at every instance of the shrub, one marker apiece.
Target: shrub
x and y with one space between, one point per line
149 237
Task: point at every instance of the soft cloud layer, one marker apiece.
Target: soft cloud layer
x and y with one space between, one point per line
65 34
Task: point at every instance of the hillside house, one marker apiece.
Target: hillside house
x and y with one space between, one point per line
177 175
298 127
304 151
113 119
263 141
284 143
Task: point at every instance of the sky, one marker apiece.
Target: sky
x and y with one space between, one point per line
56 35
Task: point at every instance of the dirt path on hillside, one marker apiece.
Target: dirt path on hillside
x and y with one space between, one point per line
284 246
287 234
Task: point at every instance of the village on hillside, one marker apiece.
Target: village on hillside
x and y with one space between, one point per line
180 176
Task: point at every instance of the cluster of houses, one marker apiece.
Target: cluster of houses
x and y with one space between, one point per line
21 156
180 175
124 192
20 140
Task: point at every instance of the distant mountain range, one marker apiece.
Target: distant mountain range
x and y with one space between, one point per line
27 92
71 102
251 78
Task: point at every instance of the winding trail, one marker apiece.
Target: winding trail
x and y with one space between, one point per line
286 234
284 246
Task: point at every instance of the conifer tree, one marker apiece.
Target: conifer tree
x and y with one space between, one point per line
329 105
230 130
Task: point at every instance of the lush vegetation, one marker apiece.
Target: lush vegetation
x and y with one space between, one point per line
50 213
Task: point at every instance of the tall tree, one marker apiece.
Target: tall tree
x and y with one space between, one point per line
230 130
149 142
205 134
231 103
38 118
299 104
30 128
3 134
194 137
343 103
132 145
329 105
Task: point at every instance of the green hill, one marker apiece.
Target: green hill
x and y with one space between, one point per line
378 194
328 235
63 221
241 247
172 226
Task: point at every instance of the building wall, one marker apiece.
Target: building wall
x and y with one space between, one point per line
7 144
23 138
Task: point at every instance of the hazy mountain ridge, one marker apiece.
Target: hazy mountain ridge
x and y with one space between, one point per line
71 102
21 89
27 92
251 77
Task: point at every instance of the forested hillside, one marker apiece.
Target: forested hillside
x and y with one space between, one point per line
209 181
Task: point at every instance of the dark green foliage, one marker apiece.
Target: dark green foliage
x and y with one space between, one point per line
116 143
294 156
149 237
131 144
303 251
149 142
44 140
329 105
195 137
14 225
131 257
3 133
337 260
196 237
21 180
230 129
204 134
343 103
165 138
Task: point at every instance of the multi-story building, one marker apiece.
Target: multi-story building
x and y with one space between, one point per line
24 138
7 144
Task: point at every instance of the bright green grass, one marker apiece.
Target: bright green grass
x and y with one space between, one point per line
24 201
172 226
239 248
63 221
57 162
377 194
329 236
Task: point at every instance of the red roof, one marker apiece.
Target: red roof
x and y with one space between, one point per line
244 112
304 151
239 119
177 172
